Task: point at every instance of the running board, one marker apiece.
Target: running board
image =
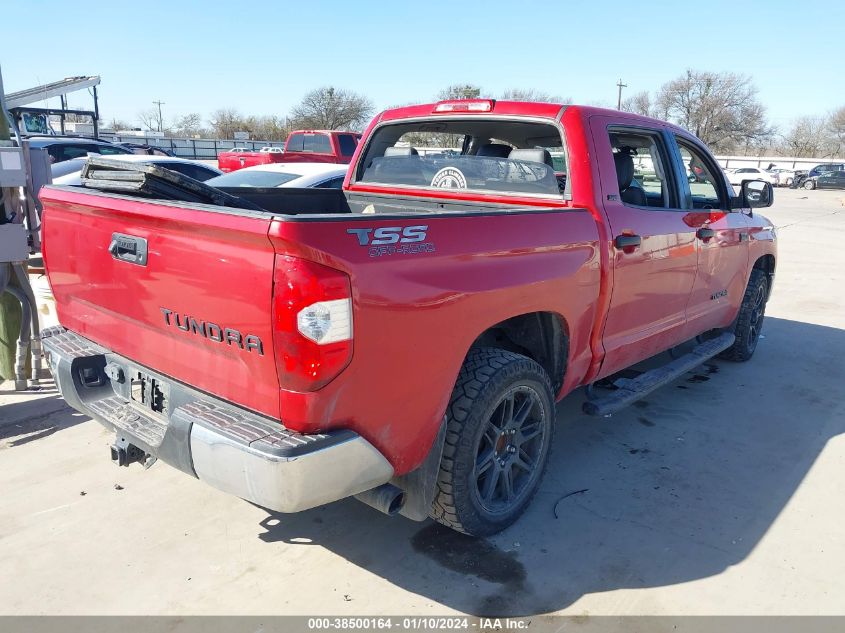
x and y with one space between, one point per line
631 390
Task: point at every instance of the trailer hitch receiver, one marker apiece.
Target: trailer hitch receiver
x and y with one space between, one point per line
123 453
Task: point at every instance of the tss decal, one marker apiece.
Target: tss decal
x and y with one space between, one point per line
392 240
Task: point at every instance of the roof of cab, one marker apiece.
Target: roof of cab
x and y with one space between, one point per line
501 108
515 109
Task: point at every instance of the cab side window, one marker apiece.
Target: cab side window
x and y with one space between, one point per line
641 162
705 190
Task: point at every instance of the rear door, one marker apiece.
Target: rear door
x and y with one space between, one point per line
654 249
197 308
722 237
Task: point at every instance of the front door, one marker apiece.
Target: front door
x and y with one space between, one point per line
722 237
653 249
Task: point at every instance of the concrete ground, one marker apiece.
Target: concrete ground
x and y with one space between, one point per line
719 494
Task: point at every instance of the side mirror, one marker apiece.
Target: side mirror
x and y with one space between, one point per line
754 194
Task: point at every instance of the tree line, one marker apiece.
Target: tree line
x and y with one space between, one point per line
722 109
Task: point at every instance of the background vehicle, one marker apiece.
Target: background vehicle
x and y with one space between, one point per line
736 176
321 146
240 158
403 339
783 177
63 148
826 168
303 175
69 172
824 180
824 172
309 146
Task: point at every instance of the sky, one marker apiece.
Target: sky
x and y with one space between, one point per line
261 57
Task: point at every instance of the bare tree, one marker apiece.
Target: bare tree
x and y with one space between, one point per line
639 103
836 129
152 119
225 122
806 138
530 94
331 108
459 91
266 128
188 125
119 124
721 109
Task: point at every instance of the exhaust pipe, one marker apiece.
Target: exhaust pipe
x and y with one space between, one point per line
385 498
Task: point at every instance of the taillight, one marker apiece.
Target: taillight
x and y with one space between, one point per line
312 323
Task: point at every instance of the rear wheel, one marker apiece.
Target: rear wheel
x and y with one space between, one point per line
500 424
749 323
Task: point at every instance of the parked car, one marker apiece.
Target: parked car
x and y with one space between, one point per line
302 146
824 180
273 150
303 175
737 175
404 339
810 179
62 148
69 172
783 177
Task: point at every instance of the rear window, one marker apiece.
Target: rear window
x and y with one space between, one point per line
112 149
316 143
484 156
257 178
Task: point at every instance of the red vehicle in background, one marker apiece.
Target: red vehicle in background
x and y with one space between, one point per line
302 146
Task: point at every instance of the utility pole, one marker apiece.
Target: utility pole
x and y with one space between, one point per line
161 103
619 98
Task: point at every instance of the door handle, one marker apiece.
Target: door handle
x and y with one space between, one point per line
705 233
627 241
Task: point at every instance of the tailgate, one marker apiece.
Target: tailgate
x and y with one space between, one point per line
197 308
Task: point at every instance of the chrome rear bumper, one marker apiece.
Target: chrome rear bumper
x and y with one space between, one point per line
230 448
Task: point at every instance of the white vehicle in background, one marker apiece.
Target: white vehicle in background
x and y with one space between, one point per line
302 175
272 150
784 177
69 172
736 176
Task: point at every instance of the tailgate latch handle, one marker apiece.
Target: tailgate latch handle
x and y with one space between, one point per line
128 248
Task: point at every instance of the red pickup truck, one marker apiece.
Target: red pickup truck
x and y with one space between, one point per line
404 339
302 146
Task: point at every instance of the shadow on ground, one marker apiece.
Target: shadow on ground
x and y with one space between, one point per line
32 419
679 488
